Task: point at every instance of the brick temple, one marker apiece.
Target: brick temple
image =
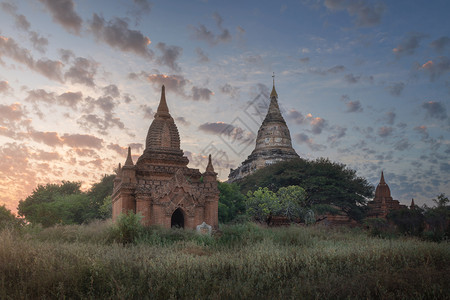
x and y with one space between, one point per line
160 186
273 143
383 203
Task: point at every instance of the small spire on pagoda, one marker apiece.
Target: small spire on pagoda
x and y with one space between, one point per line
163 108
209 167
129 161
382 178
412 206
274 92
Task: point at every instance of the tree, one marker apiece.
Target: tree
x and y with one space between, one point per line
324 182
98 193
438 218
288 202
35 208
7 218
231 202
408 221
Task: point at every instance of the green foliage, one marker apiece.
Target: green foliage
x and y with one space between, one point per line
288 202
324 182
65 203
7 218
231 202
408 221
438 219
128 227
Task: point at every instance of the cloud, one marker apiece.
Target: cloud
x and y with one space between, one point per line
173 83
229 130
317 123
435 110
4 87
199 94
302 138
10 114
366 13
339 132
350 78
423 131
385 131
296 116
232 91
70 99
117 34
143 5
409 44
390 117
122 151
102 124
402 145
147 110
437 68
22 22
82 141
46 156
396 88
440 44
182 121
82 71
354 106
66 55
39 43
202 57
204 34
63 12
49 68
111 90
49 138
169 56
332 70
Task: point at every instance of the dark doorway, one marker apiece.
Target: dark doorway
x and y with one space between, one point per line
177 220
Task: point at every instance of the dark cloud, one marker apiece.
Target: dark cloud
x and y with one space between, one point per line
228 130
63 12
147 110
354 106
409 44
70 99
232 91
385 131
169 56
350 78
39 43
366 13
182 121
82 71
122 151
435 110
49 138
332 70
22 22
10 113
82 141
440 44
66 55
396 88
302 138
46 156
101 124
49 68
204 34
390 117
202 56
296 116
111 90
423 130
4 87
317 124
143 5
402 145
199 93
437 67
173 83
305 60
117 34
338 133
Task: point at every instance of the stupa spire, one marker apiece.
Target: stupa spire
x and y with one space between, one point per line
209 167
274 92
129 161
382 178
163 108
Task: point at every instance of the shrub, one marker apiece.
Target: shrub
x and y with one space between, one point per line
128 228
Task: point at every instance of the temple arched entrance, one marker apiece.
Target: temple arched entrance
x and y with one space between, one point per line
177 219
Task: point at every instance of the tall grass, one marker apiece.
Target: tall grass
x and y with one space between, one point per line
241 262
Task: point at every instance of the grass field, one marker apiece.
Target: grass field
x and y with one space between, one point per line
241 262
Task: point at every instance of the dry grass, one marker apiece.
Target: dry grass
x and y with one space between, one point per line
243 262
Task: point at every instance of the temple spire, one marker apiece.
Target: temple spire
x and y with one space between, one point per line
274 92
129 161
412 206
382 178
163 108
209 167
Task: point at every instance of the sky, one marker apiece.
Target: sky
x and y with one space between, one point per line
364 83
